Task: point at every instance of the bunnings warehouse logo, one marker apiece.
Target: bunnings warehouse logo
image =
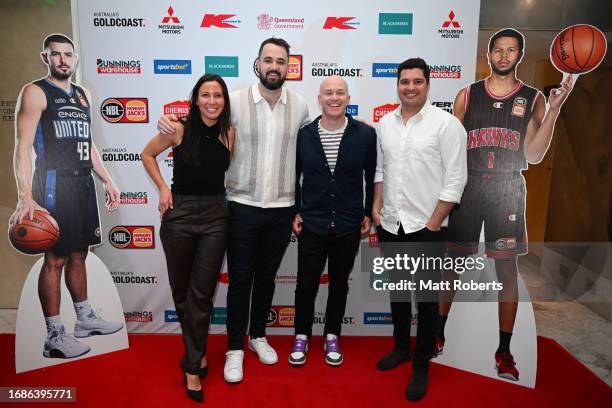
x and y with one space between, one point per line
223 66
395 23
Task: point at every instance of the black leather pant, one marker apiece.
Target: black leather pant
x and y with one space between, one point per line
194 236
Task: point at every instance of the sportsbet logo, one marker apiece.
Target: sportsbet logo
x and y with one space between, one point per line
294 68
222 66
395 23
132 237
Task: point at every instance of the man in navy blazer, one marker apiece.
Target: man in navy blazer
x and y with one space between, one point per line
335 154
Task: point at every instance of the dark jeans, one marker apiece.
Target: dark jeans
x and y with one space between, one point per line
313 251
258 240
194 236
430 244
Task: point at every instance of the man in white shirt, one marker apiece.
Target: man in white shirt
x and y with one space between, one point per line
420 175
260 186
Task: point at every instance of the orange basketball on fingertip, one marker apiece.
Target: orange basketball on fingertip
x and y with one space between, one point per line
35 236
578 49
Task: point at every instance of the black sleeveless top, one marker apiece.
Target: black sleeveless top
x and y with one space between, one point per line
496 127
63 137
208 176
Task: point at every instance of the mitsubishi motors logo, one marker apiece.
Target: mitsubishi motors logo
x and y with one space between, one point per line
451 28
170 16
341 23
219 21
171 24
451 20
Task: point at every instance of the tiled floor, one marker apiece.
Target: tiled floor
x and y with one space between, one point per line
578 329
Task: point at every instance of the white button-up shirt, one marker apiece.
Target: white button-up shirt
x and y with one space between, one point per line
419 163
262 171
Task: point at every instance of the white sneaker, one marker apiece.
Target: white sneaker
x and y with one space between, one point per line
61 345
94 325
265 352
232 372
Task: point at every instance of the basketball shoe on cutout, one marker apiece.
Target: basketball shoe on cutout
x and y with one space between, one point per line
61 345
93 325
506 367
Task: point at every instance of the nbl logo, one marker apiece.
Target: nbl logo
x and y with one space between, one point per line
125 110
132 237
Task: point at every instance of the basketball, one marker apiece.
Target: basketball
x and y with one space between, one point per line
34 236
578 49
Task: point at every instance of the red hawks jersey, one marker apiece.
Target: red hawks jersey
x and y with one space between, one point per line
496 127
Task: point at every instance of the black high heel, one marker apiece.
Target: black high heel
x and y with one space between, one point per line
196 395
202 372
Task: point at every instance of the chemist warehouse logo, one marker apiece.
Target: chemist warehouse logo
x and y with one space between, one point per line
125 110
112 20
132 237
178 108
134 197
445 71
118 66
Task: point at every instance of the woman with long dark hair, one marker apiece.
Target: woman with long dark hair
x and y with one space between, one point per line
194 226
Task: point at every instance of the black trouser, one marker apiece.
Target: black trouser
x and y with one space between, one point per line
430 244
258 240
194 236
313 251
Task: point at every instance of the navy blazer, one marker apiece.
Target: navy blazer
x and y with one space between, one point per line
324 197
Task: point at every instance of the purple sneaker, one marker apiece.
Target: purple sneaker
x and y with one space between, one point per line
333 355
300 348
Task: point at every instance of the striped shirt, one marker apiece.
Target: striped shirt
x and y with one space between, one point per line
330 139
262 171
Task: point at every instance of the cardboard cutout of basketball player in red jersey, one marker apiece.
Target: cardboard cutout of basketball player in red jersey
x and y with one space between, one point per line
508 126
53 118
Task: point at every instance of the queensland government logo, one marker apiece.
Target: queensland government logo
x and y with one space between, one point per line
341 23
118 66
222 66
171 24
395 23
112 19
451 27
266 22
132 237
220 21
172 66
125 110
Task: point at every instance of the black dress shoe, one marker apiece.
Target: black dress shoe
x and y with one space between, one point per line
417 388
202 373
395 358
196 395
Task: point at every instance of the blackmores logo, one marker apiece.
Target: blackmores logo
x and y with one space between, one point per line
132 237
219 21
340 23
125 110
111 19
178 108
451 27
171 24
118 66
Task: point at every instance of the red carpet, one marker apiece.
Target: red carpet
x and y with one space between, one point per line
147 374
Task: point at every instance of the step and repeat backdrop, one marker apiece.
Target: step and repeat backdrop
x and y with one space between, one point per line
141 58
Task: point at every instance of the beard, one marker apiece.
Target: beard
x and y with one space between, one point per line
272 86
504 72
57 74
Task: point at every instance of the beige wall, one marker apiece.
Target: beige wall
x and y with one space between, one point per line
24 24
